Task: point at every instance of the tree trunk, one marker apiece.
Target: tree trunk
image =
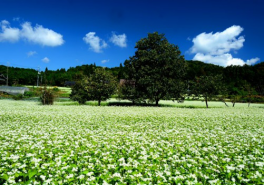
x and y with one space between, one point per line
133 102
206 102
225 103
234 104
157 102
99 102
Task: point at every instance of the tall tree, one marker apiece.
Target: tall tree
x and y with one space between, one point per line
100 85
157 68
207 87
78 93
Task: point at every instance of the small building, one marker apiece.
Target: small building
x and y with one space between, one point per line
69 83
13 90
131 83
2 78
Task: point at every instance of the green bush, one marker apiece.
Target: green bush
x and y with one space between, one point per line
18 97
29 94
55 89
78 93
47 97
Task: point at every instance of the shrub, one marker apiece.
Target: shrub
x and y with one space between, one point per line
29 94
18 97
47 97
78 93
55 89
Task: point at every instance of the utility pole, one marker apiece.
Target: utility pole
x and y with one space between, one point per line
38 78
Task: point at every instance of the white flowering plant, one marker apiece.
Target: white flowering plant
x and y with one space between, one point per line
130 145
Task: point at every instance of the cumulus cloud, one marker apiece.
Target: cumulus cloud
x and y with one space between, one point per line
252 61
222 60
46 60
37 34
31 53
219 42
40 35
119 40
216 47
7 33
96 44
104 61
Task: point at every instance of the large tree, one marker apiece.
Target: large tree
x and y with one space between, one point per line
208 87
100 85
157 68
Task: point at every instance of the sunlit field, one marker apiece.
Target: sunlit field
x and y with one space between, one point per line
75 144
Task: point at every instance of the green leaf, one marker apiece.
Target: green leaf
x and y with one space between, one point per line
31 173
85 172
5 176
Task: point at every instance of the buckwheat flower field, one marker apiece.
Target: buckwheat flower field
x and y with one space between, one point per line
130 145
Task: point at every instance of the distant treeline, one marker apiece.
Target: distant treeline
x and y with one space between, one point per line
235 77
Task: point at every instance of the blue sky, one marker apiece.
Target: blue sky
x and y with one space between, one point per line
66 33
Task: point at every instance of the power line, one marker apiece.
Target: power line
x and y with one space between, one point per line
38 76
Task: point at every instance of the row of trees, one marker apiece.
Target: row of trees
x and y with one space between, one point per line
235 78
157 71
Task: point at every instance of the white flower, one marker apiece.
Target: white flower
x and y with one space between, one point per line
213 181
260 164
81 177
69 176
43 177
75 169
116 175
48 181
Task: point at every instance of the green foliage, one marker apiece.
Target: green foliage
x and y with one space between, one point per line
100 85
29 94
18 97
233 76
157 69
78 93
207 87
126 90
47 96
55 89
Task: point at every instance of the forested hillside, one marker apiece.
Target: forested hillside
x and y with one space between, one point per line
235 77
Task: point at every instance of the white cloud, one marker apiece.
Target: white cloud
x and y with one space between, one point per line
37 34
96 44
252 61
119 40
218 43
104 61
222 60
215 48
7 33
40 35
31 53
46 60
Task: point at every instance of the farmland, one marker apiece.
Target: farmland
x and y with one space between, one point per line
130 145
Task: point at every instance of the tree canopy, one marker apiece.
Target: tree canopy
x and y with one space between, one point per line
100 85
157 69
207 87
